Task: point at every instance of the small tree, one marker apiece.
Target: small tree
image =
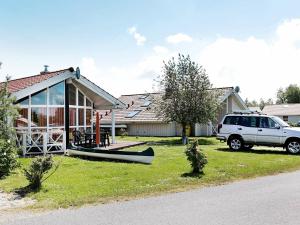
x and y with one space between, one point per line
37 169
8 114
197 158
187 96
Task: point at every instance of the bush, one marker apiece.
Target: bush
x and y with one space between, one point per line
197 158
8 157
123 132
37 169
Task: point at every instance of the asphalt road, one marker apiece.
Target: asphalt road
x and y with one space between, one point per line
268 200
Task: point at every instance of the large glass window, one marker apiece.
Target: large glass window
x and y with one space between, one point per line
81 117
22 120
39 98
56 117
88 116
88 103
72 94
72 116
38 117
23 101
57 94
80 99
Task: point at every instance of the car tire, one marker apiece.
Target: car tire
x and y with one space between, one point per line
235 143
293 146
248 146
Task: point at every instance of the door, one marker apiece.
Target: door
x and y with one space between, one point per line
248 128
269 132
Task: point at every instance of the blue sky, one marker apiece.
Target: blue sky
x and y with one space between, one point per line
95 35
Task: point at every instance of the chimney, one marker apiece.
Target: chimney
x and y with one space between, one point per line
45 69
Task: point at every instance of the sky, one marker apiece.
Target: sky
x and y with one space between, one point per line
121 45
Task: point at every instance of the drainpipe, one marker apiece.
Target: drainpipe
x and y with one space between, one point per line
113 127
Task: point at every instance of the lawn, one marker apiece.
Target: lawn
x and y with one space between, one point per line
79 181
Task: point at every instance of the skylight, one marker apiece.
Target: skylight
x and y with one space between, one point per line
133 113
146 103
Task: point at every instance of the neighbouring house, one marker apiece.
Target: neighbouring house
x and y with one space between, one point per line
287 112
254 109
53 105
139 117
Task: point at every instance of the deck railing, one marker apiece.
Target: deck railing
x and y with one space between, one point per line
31 143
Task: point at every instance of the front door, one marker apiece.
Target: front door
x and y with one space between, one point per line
268 132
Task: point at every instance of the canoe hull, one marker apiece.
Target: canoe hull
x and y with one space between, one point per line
141 157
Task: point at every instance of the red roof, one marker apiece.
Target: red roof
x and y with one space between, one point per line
22 83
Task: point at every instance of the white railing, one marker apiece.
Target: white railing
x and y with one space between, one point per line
53 141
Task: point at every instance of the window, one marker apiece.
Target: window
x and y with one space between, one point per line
88 103
80 99
88 117
22 120
23 101
72 116
132 114
39 98
231 120
266 122
57 94
56 117
248 121
81 117
39 117
72 94
285 118
146 104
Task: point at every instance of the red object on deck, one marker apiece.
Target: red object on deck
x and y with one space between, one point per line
97 129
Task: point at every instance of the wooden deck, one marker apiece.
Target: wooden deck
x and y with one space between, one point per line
122 144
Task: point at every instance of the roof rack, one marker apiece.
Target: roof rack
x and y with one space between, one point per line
243 112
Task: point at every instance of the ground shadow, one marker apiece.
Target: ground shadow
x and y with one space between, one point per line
98 159
257 151
166 142
24 191
192 174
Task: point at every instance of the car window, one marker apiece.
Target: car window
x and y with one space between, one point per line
266 122
248 121
231 120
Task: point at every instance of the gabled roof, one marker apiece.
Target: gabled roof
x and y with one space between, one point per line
282 110
25 82
146 113
23 87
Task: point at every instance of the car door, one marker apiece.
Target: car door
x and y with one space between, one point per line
248 128
268 132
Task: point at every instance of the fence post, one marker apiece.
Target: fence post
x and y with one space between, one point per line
45 141
24 143
64 142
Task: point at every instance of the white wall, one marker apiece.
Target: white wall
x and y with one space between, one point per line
152 129
292 119
203 129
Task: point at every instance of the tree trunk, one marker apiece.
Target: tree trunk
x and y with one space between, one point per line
184 138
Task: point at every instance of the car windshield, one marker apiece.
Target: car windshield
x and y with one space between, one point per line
280 121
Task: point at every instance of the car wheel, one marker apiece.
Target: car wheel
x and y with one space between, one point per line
293 146
248 146
235 143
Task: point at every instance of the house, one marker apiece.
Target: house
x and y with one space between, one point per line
139 117
287 112
53 105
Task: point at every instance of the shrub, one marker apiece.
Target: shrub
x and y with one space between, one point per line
37 169
8 157
123 132
197 158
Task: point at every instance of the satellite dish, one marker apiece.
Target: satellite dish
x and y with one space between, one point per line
77 73
237 89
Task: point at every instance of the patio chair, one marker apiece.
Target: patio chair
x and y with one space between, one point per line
77 137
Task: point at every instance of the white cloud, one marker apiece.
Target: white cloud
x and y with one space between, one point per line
140 39
160 49
258 66
178 38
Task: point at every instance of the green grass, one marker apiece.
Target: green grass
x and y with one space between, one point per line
79 181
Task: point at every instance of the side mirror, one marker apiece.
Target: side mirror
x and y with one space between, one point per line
277 126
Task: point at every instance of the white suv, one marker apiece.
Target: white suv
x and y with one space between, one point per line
244 130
